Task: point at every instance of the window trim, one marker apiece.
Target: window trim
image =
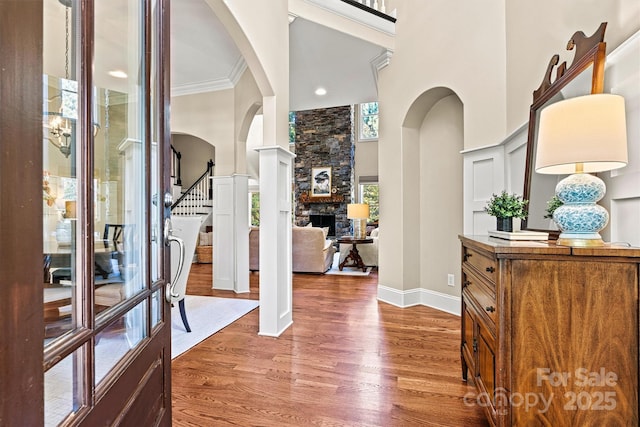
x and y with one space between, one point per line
368 181
359 116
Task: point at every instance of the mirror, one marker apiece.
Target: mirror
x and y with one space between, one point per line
584 76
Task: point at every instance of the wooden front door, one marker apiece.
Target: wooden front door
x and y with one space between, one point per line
84 123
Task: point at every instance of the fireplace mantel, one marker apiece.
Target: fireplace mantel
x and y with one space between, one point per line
306 199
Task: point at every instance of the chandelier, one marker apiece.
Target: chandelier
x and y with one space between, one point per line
60 123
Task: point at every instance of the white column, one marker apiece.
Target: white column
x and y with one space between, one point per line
241 203
230 233
275 240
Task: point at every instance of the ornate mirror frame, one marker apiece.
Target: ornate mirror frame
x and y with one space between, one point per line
589 54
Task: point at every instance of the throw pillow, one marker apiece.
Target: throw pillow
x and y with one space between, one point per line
325 230
374 232
206 239
309 225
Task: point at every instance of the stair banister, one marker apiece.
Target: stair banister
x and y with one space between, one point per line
175 165
192 201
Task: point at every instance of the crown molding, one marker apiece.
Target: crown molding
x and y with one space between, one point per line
213 85
379 62
201 87
382 60
238 69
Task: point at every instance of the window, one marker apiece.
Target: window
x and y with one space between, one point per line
255 209
368 121
292 127
369 195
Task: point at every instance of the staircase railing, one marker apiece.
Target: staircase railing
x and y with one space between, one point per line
176 157
377 7
198 197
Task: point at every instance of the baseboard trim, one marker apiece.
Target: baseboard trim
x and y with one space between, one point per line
278 333
409 298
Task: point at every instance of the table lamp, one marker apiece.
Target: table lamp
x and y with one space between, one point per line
359 213
580 136
70 209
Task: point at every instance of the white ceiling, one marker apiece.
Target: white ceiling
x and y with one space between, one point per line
203 57
322 57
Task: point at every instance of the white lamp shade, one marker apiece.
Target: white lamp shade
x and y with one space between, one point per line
589 130
357 211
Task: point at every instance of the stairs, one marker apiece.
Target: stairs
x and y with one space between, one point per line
197 200
193 203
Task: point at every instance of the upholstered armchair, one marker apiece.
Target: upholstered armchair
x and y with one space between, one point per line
311 251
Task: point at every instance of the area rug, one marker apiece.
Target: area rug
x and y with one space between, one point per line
206 316
346 271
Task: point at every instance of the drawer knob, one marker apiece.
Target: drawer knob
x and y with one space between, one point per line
490 309
466 283
467 256
490 269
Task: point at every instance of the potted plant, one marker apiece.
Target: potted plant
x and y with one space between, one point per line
553 204
505 207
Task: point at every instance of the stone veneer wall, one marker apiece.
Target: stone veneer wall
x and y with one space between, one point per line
324 137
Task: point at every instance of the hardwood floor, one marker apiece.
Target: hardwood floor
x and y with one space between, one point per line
347 360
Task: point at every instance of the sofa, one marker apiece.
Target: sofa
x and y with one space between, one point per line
311 251
368 251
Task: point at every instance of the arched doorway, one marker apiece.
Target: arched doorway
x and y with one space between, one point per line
432 139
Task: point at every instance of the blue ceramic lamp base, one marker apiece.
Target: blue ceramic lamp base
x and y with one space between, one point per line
580 218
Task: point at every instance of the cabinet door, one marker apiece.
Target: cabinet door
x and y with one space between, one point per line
468 335
575 341
486 374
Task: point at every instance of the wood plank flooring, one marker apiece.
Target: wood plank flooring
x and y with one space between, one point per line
348 360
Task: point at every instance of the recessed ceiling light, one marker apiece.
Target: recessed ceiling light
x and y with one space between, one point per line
119 74
321 91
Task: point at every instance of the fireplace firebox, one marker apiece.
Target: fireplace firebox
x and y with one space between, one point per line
324 221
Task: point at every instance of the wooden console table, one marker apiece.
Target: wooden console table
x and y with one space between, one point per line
550 333
354 256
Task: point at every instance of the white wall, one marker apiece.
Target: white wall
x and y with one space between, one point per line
492 56
622 77
195 155
460 51
208 116
254 139
492 169
440 195
536 30
261 32
221 118
248 100
488 171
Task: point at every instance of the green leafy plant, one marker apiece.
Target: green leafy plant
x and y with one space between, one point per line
506 205
553 204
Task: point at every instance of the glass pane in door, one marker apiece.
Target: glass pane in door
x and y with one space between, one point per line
116 340
61 390
157 198
119 153
103 208
60 139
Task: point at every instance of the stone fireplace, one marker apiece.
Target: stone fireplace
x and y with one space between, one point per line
324 139
324 221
